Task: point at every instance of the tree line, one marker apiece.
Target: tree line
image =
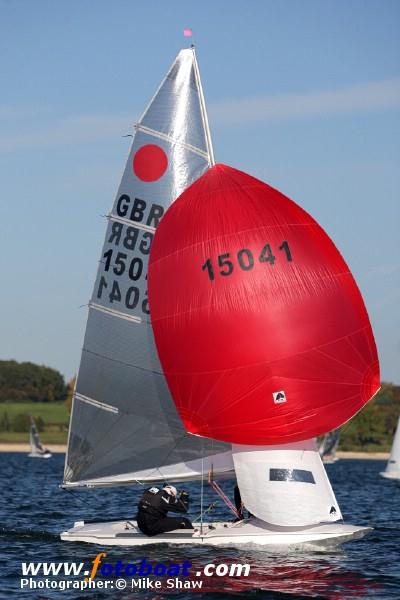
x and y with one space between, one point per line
28 382
371 429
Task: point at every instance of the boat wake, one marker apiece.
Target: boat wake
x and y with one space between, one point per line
23 534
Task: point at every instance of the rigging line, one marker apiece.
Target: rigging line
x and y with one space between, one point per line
202 492
218 490
209 509
66 489
121 362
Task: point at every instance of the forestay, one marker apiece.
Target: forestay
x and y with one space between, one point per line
124 425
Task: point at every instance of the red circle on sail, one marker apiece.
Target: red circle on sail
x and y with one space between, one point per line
150 163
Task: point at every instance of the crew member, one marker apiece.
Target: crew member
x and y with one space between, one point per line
239 504
154 506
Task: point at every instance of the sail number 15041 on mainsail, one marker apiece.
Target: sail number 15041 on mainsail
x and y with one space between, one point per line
125 259
244 258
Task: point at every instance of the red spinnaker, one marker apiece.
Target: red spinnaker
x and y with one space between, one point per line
260 327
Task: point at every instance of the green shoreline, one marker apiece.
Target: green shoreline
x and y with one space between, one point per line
61 448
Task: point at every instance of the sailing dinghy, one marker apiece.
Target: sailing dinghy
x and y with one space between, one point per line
37 450
328 446
207 412
392 470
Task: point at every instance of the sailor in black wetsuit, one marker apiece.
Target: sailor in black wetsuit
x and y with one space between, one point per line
239 504
154 506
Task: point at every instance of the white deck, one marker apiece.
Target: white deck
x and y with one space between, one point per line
250 531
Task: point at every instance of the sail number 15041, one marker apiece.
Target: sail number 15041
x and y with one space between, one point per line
244 258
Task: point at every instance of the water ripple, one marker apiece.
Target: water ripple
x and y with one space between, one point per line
33 510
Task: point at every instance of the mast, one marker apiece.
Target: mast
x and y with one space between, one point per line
204 110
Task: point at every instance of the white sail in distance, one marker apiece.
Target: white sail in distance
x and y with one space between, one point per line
392 470
124 425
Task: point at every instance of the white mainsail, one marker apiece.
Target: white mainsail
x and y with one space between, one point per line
124 426
392 470
34 440
285 485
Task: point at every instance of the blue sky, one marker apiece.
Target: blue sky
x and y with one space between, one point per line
302 94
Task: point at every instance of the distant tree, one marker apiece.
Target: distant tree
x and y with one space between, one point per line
70 393
5 424
21 422
27 382
386 395
373 427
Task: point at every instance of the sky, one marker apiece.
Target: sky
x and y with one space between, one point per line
303 95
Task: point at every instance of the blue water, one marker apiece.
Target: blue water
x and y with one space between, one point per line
33 510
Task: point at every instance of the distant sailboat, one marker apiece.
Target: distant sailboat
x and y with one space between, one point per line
126 427
328 446
392 470
37 450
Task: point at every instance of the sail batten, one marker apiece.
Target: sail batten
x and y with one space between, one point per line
119 366
115 313
163 136
96 403
137 225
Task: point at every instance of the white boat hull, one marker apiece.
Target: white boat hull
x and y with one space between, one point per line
249 531
46 455
390 474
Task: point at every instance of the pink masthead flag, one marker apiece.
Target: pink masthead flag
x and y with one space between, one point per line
187 32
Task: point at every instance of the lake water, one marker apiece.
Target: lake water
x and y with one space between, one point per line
34 510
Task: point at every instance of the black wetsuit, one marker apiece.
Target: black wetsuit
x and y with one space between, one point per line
239 503
153 508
